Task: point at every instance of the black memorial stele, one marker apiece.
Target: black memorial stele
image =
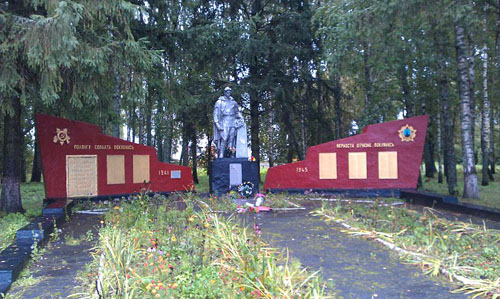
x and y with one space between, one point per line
228 173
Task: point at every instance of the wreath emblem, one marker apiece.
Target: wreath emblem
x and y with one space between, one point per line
407 133
61 136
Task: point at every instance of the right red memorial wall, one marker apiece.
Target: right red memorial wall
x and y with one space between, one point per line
384 156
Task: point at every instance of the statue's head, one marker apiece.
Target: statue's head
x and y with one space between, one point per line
227 91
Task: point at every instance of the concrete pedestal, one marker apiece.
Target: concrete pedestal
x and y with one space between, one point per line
228 173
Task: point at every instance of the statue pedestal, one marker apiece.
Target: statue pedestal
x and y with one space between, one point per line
228 173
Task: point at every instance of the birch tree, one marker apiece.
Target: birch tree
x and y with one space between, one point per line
471 188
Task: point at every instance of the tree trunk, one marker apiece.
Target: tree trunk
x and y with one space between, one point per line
405 88
291 133
254 128
270 129
168 139
368 81
303 126
194 157
116 107
440 165
134 122
485 117
498 70
471 188
337 97
492 144
22 159
1 144
36 171
450 162
11 192
184 160
430 167
148 120
472 93
209 159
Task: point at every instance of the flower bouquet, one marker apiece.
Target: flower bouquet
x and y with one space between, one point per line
229 152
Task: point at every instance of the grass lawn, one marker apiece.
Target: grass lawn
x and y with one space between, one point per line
490 196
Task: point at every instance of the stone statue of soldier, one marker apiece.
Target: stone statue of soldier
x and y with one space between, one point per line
229 127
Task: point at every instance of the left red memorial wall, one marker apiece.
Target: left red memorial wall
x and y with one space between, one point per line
80 161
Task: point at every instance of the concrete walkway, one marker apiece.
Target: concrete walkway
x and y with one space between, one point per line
56 271
357 268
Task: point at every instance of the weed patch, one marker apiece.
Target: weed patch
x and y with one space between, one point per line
149 249
464 252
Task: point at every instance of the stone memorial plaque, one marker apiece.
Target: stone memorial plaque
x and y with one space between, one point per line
115 169
327 166
140 164
357 165
81 175
388 165
175 174
235 177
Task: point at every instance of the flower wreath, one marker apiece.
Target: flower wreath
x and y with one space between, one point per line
245 189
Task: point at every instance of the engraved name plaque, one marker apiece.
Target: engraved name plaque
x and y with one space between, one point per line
235 177
81 175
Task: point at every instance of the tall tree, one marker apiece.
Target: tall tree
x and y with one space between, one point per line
471 188
59 52
485 115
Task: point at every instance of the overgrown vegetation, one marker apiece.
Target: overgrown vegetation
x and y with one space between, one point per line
489 194
466 253
32 195
149 249
10 224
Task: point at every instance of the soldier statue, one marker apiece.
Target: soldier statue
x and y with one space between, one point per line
229 127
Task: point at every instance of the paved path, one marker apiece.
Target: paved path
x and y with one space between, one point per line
62 261
358 268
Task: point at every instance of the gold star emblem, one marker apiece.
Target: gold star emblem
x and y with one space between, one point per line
61 136
407 133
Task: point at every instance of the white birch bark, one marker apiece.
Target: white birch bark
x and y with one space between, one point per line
485 115
471 188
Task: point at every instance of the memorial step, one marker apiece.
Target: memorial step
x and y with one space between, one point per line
38 230
4 287
58 207
12 261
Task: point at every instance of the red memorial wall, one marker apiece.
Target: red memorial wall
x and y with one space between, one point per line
383 156
80 161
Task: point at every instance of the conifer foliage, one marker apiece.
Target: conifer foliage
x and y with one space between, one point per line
61 54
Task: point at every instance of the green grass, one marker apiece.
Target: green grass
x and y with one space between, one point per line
488 194
32 196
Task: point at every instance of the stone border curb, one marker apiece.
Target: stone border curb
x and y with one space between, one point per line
36 234
449 203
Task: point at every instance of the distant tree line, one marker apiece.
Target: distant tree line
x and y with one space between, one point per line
305 72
